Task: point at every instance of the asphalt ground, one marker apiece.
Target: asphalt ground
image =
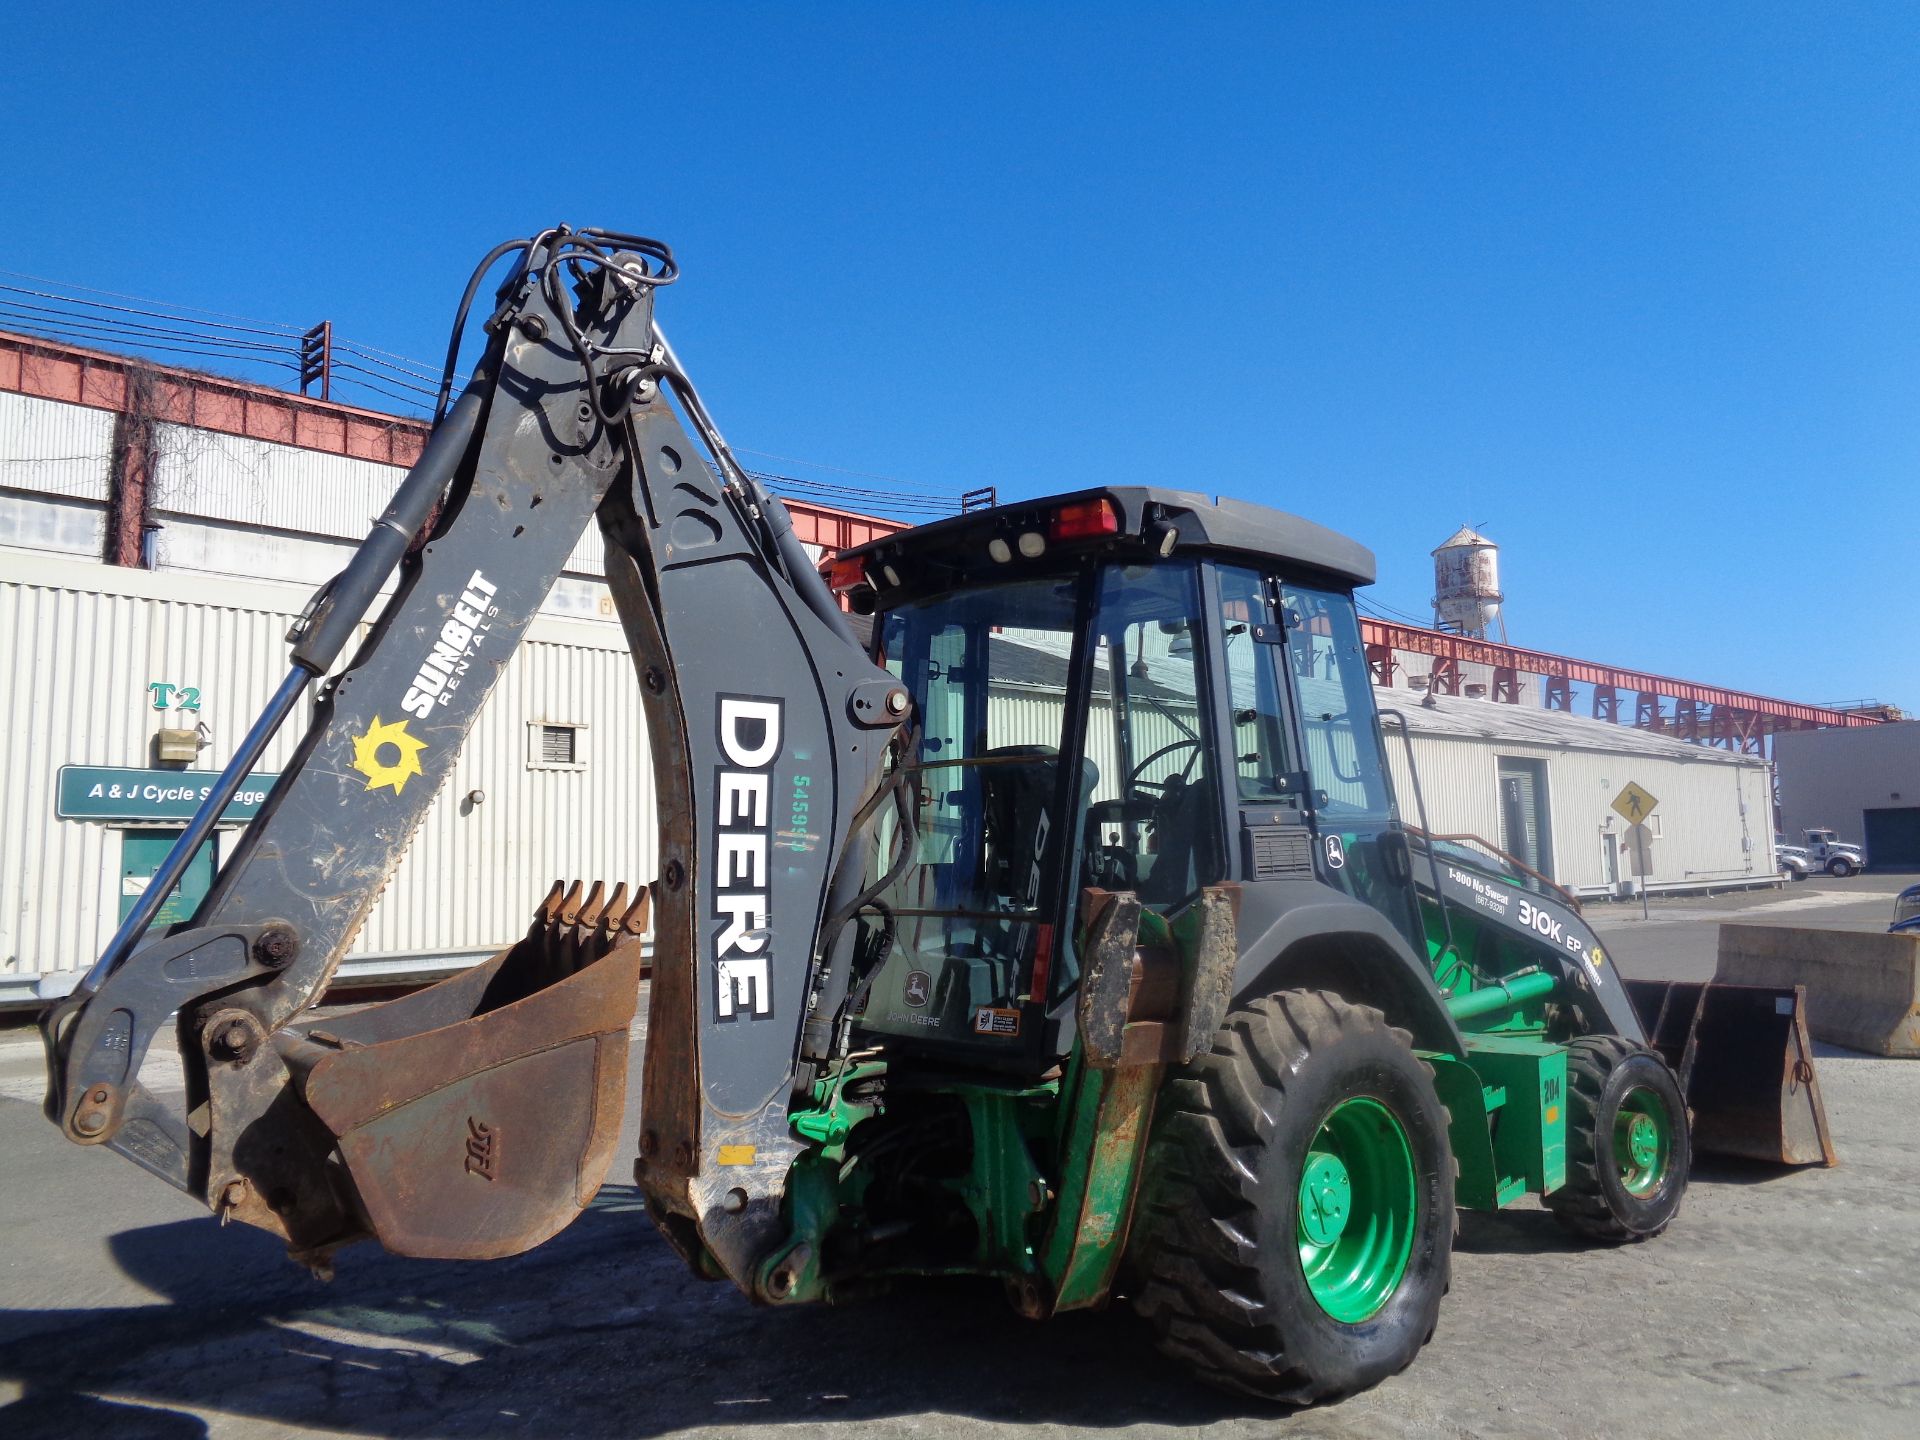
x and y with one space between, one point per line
1779 1304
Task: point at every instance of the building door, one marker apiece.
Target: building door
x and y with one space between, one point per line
1893 838
141 852
1523 813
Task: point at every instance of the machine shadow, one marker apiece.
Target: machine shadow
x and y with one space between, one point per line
1731 1170
599 1332
1512 1232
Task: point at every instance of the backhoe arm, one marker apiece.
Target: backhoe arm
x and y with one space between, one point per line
476 1118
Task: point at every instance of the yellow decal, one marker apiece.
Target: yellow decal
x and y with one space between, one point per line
1553 1114
735 1154
1598 956
402 748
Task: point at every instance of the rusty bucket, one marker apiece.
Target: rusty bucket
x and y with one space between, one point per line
477 1117
1745 1063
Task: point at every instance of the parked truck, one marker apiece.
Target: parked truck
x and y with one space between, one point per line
1823 850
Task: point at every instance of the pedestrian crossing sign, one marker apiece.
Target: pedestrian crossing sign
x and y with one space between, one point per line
1634 804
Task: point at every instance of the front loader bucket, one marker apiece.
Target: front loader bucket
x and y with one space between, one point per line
478 1116
1745 1063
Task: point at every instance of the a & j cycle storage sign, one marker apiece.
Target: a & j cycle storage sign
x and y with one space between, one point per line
96 792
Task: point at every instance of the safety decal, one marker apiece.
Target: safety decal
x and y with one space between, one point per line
989 1020
387 755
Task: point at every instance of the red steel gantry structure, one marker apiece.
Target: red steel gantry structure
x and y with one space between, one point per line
1685 709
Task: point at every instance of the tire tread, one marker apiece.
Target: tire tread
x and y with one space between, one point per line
1200 1285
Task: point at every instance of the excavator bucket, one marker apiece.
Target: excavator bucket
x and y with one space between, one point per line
477 1117
1745 1063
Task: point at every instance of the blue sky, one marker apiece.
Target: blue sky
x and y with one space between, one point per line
1636 287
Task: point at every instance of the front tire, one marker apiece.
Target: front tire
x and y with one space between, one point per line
1840 867
1628 1146
1295 1229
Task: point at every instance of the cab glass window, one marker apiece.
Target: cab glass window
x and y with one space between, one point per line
1259 745
1329 667
1149 810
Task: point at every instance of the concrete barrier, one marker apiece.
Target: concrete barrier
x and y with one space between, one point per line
1863 988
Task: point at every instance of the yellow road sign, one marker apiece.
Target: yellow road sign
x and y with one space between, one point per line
1634 804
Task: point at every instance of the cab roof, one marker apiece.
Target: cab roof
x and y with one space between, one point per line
1145 512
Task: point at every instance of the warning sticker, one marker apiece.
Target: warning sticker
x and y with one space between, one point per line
987 1020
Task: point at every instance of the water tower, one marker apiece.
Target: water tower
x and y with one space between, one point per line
1466 586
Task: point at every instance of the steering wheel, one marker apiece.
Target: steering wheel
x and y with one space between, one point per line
1134 782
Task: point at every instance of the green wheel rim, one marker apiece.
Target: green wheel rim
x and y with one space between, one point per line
1356 1209
1642 1140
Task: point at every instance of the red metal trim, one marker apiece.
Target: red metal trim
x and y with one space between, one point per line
1380 664
1461 650
55 370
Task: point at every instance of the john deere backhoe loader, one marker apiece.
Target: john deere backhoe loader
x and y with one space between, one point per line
1064 933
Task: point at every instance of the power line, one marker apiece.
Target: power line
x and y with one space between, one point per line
1381 611
143 299
817 465
60 311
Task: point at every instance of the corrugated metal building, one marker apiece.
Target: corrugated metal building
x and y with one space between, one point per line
86 642
1541 785
1865 784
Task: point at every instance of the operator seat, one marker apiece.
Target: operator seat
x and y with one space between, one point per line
1017 787
1184 829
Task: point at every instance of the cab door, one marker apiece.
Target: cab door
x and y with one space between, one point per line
1357 841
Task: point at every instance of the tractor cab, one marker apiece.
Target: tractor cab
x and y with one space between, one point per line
1125 690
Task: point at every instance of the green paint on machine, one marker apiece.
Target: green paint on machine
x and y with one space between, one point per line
1356 1209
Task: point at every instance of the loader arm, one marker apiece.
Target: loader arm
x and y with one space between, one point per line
477 1117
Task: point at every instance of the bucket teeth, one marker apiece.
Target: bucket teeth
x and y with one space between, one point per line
572 929
634 922
596 902
616 910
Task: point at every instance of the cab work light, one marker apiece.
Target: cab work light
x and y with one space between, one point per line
1083 520
844 572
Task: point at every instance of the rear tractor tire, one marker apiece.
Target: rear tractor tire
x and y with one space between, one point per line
1295 1227
1628 1144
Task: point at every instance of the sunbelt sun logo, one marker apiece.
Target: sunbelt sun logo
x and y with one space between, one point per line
387 755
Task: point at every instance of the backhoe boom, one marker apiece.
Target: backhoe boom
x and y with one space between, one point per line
754 689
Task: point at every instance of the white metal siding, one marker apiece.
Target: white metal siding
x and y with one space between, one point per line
81 641
53 475
1704 838
54 449
589 556
51 522
213 476
236 484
